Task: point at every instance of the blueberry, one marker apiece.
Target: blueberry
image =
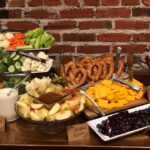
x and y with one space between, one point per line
98 126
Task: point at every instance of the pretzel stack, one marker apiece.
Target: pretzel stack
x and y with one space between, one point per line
90 69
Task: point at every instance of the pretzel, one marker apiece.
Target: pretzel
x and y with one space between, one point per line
86 61
80 76
67 70
110 68
120 68
94 71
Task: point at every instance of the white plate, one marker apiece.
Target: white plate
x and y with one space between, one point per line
94 122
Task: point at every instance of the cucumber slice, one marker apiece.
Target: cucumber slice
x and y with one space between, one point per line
18 65
22 59
24 47
5 60
13 55
11 68
16 57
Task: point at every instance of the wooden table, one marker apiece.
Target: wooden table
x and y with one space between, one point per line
23 135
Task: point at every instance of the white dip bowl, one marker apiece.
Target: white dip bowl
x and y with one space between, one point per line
7 103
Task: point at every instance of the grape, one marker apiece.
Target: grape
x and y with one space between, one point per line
124 122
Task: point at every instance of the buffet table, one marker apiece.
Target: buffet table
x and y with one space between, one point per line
22 135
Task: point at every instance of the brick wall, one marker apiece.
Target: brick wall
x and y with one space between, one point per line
83 26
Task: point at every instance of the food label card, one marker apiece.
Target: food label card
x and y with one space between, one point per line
2 124
78 132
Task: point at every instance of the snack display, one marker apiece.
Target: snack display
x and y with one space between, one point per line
88 68
109 94
56 94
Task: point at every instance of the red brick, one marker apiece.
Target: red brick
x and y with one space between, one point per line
110 2
135 25
91 2
56 36
77 13
35 3
21 25
15 13
85 25
90 49
142 37
84 37
130 2
141 12
146 2
66 59
2 3
113 12
131 48
72 2
62 48
114 37
41 14
16 3
59 25
52 2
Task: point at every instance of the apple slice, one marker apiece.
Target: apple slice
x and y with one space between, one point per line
22 104
54 109
73 102
38 113
64 106
74 107
44 112
36 106
63 115
81 107
82 100
34 116
24 111
51 118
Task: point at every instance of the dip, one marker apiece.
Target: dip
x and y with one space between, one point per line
7 104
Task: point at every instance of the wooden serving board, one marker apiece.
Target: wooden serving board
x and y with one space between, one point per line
146 99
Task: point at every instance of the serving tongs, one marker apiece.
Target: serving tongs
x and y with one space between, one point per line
31 56
132 86
117 58
8 74
95 104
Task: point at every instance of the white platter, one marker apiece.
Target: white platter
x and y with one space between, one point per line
94 122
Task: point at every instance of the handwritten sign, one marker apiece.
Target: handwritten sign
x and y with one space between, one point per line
2 124
78 132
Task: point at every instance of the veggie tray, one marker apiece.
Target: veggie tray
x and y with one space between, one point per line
112 97
32 40
13 63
